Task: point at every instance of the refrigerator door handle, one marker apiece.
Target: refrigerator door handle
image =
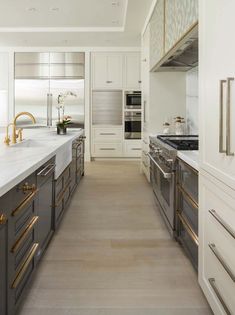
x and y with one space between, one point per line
49 109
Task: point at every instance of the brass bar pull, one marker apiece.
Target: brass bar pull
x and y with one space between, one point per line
46 170
24 267
228 119
192 234
24 203
213 285
222 222
221 260
24 235
221 117
192 202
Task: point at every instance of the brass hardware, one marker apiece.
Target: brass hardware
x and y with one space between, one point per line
222 222
15 135
221 260
213 285
193 203
46 170
185 223
24 234
26 188
25 265
24 203
228 119
7 140
20 134
221 117
3 219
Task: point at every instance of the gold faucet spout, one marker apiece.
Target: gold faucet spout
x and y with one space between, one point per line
24 114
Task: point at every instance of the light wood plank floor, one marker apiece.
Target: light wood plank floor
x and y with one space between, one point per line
113 255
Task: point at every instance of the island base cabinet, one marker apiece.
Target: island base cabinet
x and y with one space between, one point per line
3 269
217 244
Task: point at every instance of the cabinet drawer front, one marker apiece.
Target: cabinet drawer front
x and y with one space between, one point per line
219 283
107 150
133 149
107 134
188 180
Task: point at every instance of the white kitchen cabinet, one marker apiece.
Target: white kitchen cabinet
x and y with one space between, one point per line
157 36
180 17
132 75
217 63
132 148
107 134
216 244
107 70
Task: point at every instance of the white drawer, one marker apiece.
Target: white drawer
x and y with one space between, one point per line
133 148
219 283
107 134
217 244
107 150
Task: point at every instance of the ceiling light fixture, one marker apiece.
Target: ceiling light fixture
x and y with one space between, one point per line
115 3
54 9
115 22
31 9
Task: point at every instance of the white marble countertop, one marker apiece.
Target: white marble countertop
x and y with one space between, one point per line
39 145
190 157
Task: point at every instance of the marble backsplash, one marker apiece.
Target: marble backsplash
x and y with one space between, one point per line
192 103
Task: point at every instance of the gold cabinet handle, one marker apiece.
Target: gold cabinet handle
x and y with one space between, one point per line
25 265
228 119
24 203
3 219
214 287
24 234
28 188
221 117
186 225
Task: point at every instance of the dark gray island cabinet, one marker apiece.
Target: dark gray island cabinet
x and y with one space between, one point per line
28 217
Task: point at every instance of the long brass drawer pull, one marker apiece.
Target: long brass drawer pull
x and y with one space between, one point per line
193 203
213 285
192 234
222 261
24 235
24 267
222 222
24 203
46 170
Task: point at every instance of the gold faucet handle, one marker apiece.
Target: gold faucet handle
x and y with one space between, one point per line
20 134
7 140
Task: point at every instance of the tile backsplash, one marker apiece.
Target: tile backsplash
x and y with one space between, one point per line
192 106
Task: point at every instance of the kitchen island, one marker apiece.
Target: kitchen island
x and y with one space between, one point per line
37 180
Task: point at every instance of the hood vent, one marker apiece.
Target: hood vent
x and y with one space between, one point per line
183 56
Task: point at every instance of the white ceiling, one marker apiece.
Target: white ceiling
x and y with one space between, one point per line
72 22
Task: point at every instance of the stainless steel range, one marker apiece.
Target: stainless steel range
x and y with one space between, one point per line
163 155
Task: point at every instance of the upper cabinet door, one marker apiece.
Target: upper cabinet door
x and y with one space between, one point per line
99 66
157 34
107 71
180 17
216 97
114 71
132 77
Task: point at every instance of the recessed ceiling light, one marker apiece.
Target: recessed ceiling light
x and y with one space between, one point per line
115 22
31 9
115 3
65 41
54 9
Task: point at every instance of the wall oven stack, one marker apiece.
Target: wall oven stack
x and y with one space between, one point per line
132 115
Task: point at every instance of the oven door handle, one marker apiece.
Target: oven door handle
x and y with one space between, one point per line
165 175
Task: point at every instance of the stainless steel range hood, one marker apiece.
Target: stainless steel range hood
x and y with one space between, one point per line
183 56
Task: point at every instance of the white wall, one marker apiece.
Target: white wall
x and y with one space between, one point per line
4 83
167 99
192 104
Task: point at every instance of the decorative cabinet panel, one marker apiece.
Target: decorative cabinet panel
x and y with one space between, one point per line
157 34
217 92
180 16
107 70
132 76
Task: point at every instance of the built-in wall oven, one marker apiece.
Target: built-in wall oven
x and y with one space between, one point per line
132 125
133 100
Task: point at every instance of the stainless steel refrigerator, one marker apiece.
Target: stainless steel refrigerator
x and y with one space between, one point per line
41 77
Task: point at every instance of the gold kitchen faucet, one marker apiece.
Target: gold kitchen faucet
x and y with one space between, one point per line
15 134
